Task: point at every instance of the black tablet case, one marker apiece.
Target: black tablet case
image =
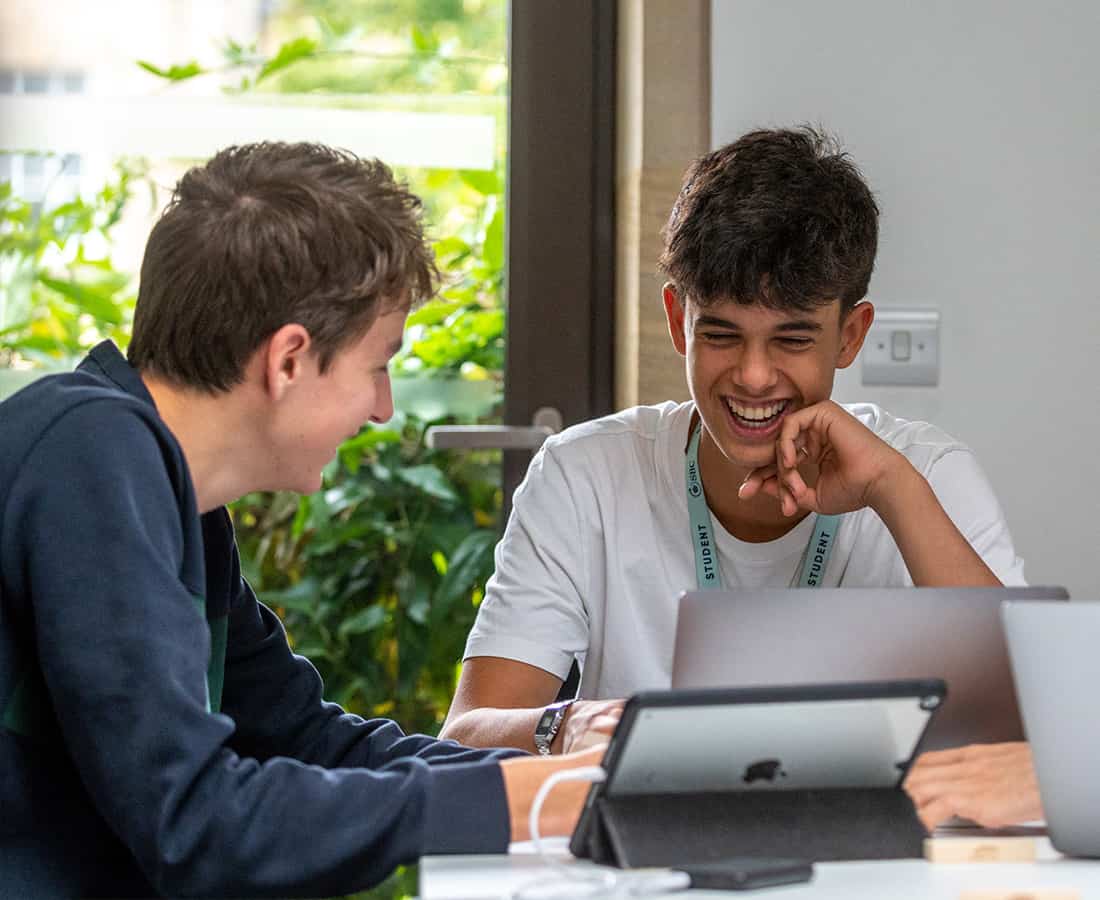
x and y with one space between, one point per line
820 824
828 824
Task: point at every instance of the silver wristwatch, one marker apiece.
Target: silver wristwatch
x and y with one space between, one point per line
549 725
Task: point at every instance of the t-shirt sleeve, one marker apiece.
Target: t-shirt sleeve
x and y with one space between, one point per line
967 497
534 610
123 650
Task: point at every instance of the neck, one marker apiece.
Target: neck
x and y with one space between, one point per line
212 431
756 520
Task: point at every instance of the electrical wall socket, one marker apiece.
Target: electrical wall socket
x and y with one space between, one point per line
902 347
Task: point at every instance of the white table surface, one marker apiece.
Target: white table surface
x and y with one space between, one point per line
496 877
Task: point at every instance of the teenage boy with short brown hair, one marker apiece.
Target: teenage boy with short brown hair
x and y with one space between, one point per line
158 736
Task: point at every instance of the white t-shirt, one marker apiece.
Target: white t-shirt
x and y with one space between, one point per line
598 547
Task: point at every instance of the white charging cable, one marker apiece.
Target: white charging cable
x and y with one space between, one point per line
577 883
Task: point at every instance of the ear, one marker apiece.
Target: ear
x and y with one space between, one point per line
853 330
285 357
675 312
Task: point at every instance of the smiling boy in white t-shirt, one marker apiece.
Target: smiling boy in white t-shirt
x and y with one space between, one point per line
761 480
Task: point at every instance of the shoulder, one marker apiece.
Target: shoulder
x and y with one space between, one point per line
74 425
623 454
83 409
95 466
922 442
630 432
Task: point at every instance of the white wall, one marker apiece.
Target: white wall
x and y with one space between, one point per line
977 123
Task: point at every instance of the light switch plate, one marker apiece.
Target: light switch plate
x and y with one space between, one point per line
883 349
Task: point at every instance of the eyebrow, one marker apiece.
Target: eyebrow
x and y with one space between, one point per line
394 347
792 325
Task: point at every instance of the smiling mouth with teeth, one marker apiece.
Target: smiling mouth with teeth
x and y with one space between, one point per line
756 416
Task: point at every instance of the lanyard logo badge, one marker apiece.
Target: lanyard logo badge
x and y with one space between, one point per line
695 489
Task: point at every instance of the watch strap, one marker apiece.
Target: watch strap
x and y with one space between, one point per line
549 725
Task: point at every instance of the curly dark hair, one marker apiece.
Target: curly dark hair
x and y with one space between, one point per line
268 234
783 218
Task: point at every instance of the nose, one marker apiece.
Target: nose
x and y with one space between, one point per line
755 371
383 402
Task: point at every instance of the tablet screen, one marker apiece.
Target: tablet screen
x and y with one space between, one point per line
819 743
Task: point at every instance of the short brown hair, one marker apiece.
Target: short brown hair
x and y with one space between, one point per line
781 217
268 234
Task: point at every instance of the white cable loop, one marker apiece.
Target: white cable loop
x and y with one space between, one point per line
589 883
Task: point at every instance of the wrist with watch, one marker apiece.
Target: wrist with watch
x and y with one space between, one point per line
549 725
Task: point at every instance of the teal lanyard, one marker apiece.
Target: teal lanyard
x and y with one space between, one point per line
702 534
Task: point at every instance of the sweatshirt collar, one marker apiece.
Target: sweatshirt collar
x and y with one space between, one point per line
107 361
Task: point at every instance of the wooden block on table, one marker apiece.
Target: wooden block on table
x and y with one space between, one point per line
1023 894
979 849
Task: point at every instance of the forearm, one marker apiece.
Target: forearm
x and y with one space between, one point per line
934 550
489 727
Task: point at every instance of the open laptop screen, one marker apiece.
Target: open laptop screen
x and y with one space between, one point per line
762 637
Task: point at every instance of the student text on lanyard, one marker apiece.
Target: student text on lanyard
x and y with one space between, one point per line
702 534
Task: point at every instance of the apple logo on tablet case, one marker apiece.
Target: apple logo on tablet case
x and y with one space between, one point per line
763 770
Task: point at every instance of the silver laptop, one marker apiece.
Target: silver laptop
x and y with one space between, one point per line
1057 669
761 637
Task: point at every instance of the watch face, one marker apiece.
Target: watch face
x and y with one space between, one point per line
545 721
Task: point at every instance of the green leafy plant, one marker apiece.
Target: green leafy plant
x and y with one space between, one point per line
462 333
377 576
60 293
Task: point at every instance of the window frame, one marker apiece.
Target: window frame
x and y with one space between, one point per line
560 279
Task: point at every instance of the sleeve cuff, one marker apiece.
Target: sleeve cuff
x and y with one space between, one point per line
556 662
467 810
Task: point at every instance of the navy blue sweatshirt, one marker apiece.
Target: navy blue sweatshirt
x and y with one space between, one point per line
115 778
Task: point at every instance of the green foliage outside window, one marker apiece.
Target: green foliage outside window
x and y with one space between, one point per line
60 293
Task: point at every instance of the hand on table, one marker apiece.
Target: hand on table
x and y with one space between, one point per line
992 784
